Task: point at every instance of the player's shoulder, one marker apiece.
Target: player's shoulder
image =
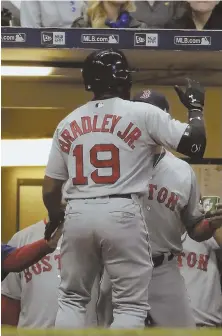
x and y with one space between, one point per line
138 112
70 116
28 234
138 106
180 167
171 158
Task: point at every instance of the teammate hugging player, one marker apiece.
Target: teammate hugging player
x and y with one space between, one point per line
18 259
27 296
104 150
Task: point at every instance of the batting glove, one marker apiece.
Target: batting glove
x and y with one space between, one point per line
194 95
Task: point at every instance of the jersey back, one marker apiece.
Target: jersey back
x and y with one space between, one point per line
37 286
198 267
107 147
171 204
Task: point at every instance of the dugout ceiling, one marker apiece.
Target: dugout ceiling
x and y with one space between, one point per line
156 67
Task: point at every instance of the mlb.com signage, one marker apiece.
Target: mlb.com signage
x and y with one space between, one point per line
13 37
192 40
100 38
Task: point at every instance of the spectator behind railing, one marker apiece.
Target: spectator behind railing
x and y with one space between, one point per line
199 15
35 14
6 17
156 14
109 14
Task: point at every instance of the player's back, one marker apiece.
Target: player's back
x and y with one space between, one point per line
168 194
199 269
109 148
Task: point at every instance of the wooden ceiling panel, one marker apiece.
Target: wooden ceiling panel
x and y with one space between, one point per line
30 93
33 108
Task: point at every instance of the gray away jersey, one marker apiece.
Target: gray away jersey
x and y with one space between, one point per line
106 147
172 203
37 287
198 266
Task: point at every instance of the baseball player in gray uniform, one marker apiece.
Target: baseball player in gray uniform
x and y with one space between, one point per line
198 266
30 298
29 294
171 204
104 150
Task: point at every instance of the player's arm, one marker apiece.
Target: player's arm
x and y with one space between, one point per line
207 228
6 250
193 141
186 138
216 221
10 311
11 290
55 175
23 257
211 225
199 226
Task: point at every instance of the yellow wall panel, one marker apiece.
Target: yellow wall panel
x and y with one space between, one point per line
32 208
9 195
213 117
40 122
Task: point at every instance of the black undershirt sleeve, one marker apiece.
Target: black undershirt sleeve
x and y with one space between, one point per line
193 141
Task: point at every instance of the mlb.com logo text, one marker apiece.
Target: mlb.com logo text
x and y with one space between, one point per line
192 40
100 38
13 37
53 38
146 40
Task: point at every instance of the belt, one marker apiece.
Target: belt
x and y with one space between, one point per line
129 196
158 261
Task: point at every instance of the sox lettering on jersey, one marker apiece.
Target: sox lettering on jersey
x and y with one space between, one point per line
194 260
163 195
91 125
44 265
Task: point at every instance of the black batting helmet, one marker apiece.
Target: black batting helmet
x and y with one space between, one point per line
107 71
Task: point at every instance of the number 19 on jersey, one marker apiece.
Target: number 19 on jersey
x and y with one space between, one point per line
113 163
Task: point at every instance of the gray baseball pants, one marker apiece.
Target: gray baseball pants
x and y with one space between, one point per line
110 232
168 298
